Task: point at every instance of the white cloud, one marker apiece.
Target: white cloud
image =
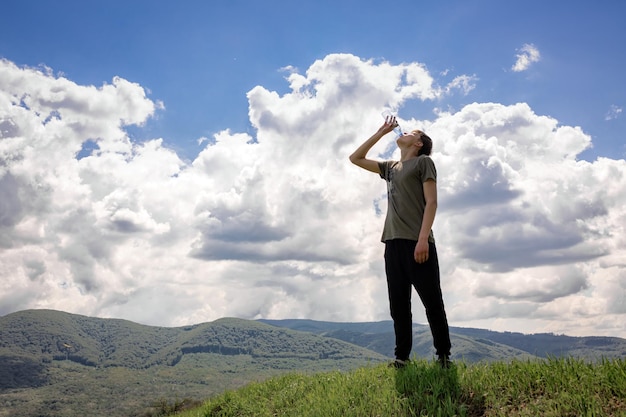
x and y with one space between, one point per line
528 54
281 225
613 113
464 83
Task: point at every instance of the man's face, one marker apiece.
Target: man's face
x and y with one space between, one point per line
413 138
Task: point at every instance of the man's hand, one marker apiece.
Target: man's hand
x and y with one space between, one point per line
421 251
390 124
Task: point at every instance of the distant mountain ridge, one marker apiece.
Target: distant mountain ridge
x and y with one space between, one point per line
53 335
470 344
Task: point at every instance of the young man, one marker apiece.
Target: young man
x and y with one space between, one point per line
410 252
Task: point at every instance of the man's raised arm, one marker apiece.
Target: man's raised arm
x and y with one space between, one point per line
359 157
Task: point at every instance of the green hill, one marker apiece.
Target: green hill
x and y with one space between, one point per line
59 364
53 336
553 387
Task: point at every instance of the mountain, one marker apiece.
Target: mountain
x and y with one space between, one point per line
468 344
59 364
379 337
53 335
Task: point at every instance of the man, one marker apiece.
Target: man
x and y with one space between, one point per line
410 252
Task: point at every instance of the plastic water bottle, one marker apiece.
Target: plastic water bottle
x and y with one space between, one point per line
397 130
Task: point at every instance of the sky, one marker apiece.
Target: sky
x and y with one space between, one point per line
173 163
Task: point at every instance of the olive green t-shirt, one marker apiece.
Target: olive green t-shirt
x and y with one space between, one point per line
405 196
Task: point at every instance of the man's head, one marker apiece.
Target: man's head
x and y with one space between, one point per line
416 140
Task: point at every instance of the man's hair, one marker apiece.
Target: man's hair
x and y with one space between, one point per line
427 144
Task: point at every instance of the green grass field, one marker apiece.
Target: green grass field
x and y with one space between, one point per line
554 387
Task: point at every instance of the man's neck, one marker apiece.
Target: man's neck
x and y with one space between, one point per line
406 155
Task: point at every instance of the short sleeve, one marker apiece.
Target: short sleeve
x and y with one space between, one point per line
383 167
427 169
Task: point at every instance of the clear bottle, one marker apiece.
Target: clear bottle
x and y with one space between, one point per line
397 130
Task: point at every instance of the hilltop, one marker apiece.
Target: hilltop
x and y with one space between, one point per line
553 387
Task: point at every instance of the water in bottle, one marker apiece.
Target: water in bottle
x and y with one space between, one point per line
397 130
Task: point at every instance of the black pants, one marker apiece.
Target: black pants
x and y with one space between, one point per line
403 273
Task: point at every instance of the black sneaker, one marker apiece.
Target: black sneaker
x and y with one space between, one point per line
399 363
444 361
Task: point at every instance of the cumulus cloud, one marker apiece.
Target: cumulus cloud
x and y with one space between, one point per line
463 83
528 54
279 224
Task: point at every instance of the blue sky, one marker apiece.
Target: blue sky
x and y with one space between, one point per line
201 58
174 163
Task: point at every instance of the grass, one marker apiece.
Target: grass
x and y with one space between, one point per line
554 387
